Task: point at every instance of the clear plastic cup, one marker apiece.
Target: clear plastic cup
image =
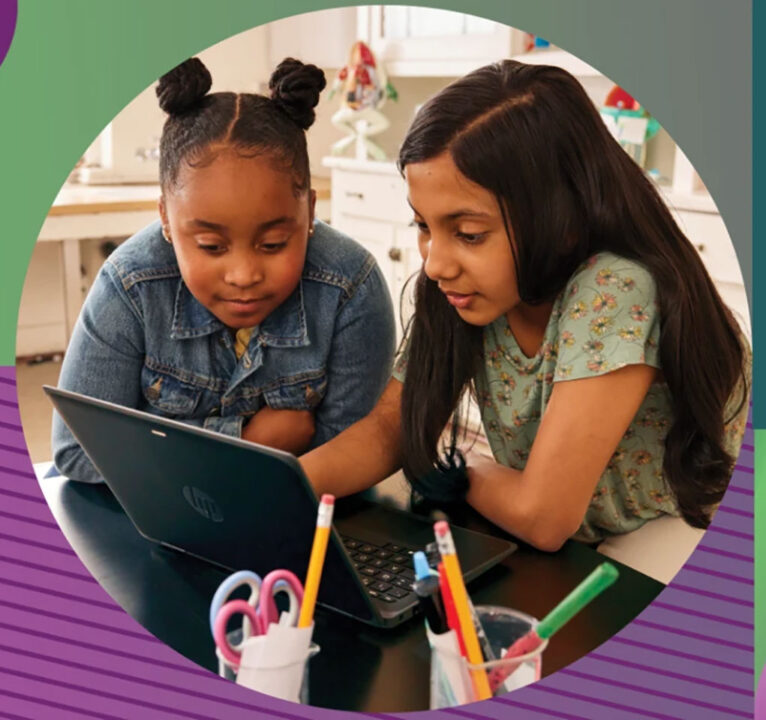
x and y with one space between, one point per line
451 682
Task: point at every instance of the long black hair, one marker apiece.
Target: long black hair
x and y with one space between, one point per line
530 135
251 123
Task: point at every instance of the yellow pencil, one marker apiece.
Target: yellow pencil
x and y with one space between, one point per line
316 561
460 597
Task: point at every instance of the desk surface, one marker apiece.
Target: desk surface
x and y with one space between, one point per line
359 667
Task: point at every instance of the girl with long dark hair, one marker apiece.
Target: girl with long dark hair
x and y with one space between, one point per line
556 286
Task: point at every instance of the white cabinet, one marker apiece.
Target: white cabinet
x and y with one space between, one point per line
42 327
368 201
708 234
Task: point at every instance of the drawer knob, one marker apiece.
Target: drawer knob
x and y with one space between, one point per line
701 247
350 193
395 254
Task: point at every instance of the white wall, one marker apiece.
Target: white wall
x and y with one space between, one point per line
244 62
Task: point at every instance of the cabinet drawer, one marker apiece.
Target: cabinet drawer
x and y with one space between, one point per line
708 234
381 197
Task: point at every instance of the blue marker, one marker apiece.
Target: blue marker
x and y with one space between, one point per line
426 587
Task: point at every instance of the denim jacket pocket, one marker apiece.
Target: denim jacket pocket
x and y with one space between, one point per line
303 391
168 394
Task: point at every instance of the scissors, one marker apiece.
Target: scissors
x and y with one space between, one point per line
259 610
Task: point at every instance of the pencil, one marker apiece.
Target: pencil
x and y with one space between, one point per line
316 561
460 598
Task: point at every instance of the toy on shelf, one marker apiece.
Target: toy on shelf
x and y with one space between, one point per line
629 123
365 89
534 42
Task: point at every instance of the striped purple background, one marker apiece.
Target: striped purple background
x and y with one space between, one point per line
67 650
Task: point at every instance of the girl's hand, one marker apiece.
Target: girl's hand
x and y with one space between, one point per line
364 453
290 430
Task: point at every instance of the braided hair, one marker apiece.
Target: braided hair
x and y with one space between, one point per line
253 124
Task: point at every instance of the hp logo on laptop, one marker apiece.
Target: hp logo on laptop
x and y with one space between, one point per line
203 503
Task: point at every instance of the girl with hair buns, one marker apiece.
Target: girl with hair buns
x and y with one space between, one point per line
237 311
612 381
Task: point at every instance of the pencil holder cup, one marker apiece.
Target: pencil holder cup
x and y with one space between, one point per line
451 674
274 666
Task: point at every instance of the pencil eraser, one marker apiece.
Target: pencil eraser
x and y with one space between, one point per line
441 528
328 499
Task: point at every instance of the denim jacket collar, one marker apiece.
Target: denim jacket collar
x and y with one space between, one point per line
284 327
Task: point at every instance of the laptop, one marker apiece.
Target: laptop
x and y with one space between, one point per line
240 505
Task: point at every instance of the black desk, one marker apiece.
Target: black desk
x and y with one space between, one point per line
359 668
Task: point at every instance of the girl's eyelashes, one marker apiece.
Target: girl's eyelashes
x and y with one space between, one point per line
218 248
471 238
211 248
274 242
272 247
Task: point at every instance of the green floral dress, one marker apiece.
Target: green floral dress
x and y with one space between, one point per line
605 318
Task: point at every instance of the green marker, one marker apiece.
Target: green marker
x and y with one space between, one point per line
593 585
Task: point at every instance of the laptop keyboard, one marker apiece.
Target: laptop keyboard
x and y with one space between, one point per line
385 570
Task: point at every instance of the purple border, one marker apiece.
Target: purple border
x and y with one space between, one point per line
688 655
8 14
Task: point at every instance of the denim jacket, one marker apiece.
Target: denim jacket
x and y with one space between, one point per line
143 341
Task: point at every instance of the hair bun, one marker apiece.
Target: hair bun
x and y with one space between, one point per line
184 86
295 87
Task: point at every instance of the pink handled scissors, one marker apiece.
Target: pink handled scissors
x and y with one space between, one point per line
260 618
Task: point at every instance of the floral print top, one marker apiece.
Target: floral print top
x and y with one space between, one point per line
605 318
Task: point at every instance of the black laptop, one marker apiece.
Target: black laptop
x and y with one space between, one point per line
245 506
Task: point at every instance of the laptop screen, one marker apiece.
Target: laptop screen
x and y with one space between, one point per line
224 500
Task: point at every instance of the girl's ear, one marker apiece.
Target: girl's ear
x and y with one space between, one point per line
164 217
312 206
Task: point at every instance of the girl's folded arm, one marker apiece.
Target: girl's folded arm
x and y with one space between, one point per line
585 419
363 454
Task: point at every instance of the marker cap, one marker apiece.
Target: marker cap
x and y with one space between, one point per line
422 570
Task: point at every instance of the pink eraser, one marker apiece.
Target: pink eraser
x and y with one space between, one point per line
328 499
441 528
